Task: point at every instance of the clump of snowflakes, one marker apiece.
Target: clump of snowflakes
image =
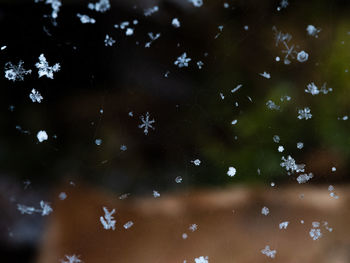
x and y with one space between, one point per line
268 252
315 232
101 6
196 162
13 72
313 89
109 41
304 113
272 106
265 211
85 19
313 31
265 75
45 209
231 171
55 5
303 178
35 96
196 3
71 259
284 225
182 61
302 56
332 192
107 220
156 194
44 69
290 165
146 123
42 136
175 22
201 259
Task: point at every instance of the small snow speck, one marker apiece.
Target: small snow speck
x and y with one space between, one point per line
231 171
42 136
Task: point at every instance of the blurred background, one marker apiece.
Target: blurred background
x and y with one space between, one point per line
91 111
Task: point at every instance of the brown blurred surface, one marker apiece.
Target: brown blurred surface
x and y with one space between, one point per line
231 227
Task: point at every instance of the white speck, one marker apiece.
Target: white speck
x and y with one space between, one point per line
268 252
231 171
272 184
3 47
151 10
131 114
236 88
302 56
98 142
175 22
234 122
42 136
196 162
265 75
62 196
156 194
85 19
123 148
124 196
128 224
222 96
129 31
246 27
193 227
265 211
300 145
184 236
280 148
277 59
276 138
200 64
284 225
226 5
334 169
178 179
301 221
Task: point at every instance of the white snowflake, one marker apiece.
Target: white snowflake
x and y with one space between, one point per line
153 38
128 224
302 56
304 113
193 227
231 171
107 220
182 61
71 259
289 164
280 148
265 75
289 51
42 136
13 72
200 64
300 145
109 41
55 5
312 89
85 19
151 10
283 225
44 69
44 210
196 3
146 123
303 178
315 233
35 96
156 194
281 37
175 22
313 31
201 259
272 106
268 252
265 211
196 162
101 6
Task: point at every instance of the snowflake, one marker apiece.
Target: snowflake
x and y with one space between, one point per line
284 3
289 51
268 252
45 208
290 164
272 106
182 61
109 41
13 72
302 56
42 136
200 64
265 211
303 178
85 19
265 75
280 148
62 196
300 145
146 123
108 221
55 5
151 10
175 22
313 31
315 233
281 37
153 37
196 162
128 224
276 138
123 148
284 225
29 210
196 3
201 259
71 259
101 6
35 96
193 227
156 194
231 171
312 89
178 179
44 69
304 113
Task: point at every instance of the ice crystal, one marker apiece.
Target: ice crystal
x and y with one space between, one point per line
55 5
303 178
302 56
178 179
313 31
200 64
265 211
196 162
146 123
272 106
45 209
182 61
304 113
276 138
109 41
315 232
193 227
290 165
62 196
280 148
107 220
128 224
42 136
151 10
201 259
175 22
281 37
289 51
153 38
101 6
85 19
284 225
265 75
44 69
196 3
156 194
13 72
231 171
123 148
35 96
268 252
312 89
71 259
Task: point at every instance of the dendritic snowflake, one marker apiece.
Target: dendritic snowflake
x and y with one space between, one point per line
182 61
44 69
101 6
313 89
268 252
45 209
109 41
35 96
71 259
146 123
107 220
13 72
304 113
290 165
